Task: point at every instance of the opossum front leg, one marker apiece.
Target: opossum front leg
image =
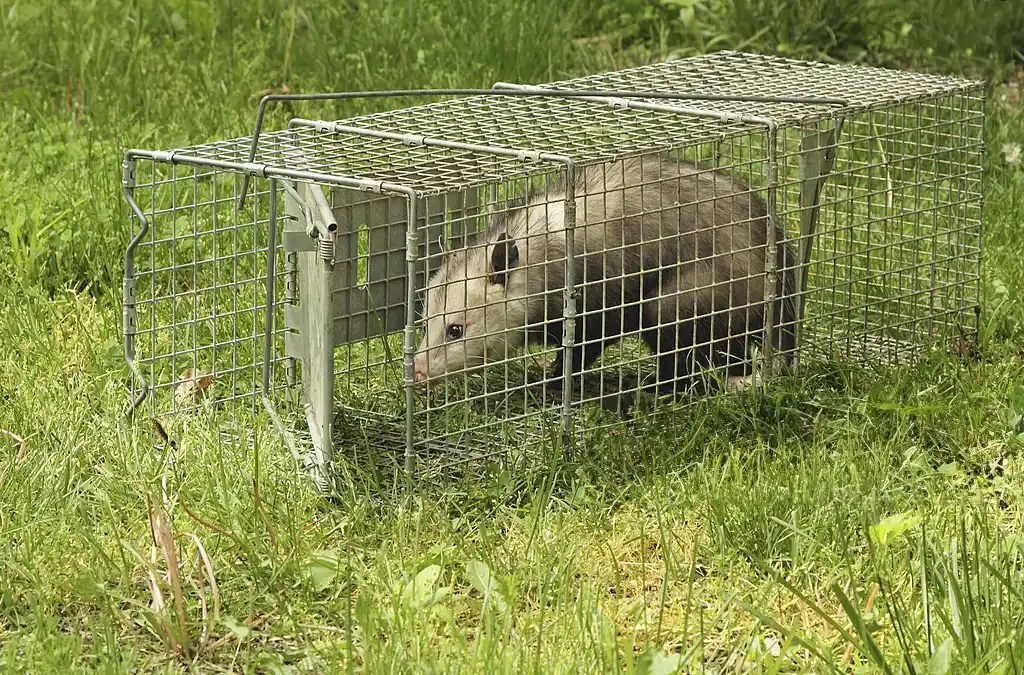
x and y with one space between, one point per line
690 339
686 353
582 358
680 354
681 340
588 348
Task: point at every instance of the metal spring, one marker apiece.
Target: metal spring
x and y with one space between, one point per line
325 249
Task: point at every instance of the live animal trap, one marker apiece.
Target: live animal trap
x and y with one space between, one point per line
822 211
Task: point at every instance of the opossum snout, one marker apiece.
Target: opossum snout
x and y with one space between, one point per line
420 365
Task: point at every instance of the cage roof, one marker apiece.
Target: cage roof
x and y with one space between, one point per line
585 130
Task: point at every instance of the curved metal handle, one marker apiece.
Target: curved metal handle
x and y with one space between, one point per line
503 89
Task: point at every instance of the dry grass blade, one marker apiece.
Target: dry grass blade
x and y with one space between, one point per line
158 605
163 541
22 450
206 570
211 526
166 542
174 629
848 655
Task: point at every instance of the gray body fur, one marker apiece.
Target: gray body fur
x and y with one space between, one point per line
659 246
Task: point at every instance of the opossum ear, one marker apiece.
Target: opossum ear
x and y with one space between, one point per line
504 257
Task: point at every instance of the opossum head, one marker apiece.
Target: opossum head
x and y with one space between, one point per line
469 314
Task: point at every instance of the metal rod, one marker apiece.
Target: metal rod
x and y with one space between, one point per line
128 283
569 304
262 170
271 271
409 339
771 254
413 139
307 212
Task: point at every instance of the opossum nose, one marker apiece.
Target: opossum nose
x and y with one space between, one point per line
420 373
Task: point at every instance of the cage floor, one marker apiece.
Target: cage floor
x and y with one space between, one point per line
385 433
379 438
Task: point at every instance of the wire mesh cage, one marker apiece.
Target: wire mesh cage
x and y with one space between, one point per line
527 263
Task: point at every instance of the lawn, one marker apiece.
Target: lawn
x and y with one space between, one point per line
851 520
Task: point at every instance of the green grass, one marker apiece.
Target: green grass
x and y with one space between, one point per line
744 527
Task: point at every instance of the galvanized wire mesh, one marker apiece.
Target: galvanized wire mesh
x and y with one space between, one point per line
896 263
198 289
893 256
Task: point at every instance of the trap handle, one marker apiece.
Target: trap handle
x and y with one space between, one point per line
503 91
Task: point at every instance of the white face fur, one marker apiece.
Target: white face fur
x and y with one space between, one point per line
467 319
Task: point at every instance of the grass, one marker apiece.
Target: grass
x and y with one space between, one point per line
856 520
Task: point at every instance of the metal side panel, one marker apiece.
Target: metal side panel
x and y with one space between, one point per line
370 277
310 340
818 154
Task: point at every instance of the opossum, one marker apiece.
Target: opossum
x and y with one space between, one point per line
659 245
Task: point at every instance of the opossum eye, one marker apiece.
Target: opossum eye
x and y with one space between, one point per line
454 331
